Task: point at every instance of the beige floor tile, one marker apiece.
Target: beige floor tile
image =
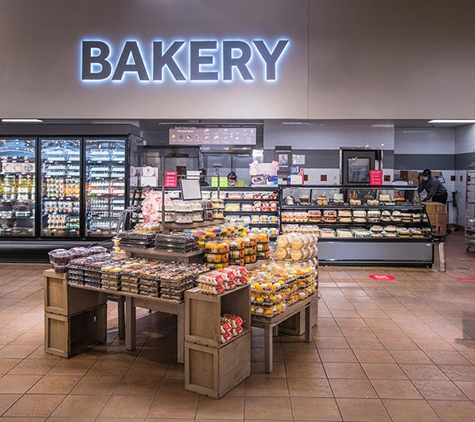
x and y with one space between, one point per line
33 367
17 384
439 390
299 369
96 384
447 357
127 406
273 387
433 344
344 370
365 343
352 388
454 411
227 408
395 389
373 356
315 409
136 385
331 343
8 364
458 372
166 406
411 356
468 387
55 384
268 408
88 406
423 372
363 410
337 355
410 411
34 405
7 400
383 371
309 387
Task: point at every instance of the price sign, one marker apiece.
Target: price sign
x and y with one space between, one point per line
375 177
382 277
171 179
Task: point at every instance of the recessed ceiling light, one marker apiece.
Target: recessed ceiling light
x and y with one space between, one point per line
452 121
22 121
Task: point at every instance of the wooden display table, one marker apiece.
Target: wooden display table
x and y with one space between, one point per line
268 324
132 301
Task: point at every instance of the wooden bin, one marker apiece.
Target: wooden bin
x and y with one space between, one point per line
295 325
61 299
216 371
68 335
203 314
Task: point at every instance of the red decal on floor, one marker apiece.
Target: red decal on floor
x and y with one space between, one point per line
382 277
466 278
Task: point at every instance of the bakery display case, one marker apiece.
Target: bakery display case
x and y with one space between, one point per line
470 208
361 224
257 206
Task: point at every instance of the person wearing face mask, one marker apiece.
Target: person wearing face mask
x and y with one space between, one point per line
233 181
434 188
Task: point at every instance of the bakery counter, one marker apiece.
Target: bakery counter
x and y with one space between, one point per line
376 251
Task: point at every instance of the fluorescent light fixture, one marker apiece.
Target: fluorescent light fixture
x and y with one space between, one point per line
22 121
459 122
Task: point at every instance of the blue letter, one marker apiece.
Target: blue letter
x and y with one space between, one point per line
160 60
89 60
239 62
271 58
131 49
196 60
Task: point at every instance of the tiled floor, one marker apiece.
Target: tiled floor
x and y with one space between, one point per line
401 350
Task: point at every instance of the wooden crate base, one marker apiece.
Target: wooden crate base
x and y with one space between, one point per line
66 336
295 325
216 371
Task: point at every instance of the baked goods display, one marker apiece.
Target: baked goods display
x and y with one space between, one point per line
359 216
230 327
166 280
296 247
277 285
221 280
329 216
344 216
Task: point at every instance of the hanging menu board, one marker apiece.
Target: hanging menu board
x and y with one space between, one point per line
188 135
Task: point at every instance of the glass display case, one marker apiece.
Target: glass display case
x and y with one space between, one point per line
17 187
60 187
470 208
105 171
257 206
361 224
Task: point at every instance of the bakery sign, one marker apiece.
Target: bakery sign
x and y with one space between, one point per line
182 61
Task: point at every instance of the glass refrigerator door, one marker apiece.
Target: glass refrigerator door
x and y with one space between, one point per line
105 185
17 187
60 187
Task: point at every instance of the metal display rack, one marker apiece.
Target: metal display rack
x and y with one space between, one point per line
470 208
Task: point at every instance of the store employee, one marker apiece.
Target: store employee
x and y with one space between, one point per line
434 188
233 181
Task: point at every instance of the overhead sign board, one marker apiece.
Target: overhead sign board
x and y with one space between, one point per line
183 135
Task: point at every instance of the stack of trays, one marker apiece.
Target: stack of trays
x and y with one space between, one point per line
110 278
176 242
136 239
75 274
130 281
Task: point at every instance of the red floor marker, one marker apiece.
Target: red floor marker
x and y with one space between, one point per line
382 277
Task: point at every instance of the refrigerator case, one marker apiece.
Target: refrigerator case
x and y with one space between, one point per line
60 187
105 191
17 187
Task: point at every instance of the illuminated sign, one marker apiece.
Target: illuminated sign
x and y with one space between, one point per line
182 61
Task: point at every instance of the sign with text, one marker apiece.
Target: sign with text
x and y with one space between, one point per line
212 136
382 277
171 179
